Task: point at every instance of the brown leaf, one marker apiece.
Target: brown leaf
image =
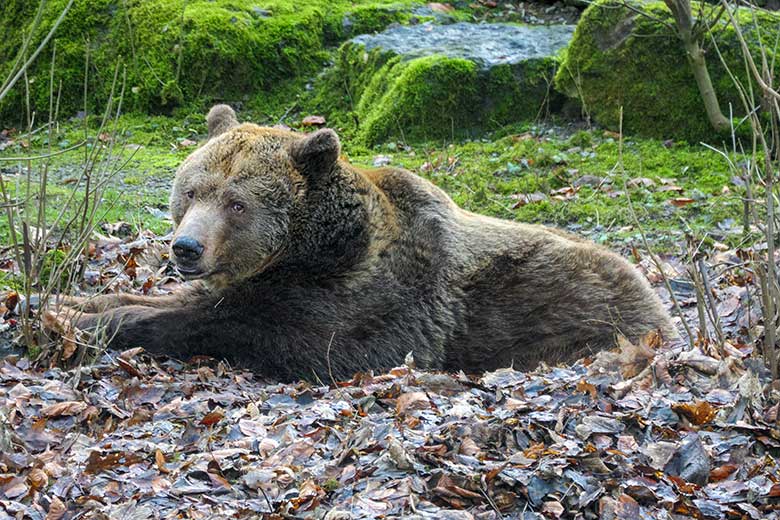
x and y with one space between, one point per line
641 181
722 472
128 367
60 325
206 374
38 478
313 121
632 359
527 198
11 299
212 418
130 353
699 412
57 509
522 137
469 447
97 462
159 459
679 202
63 408
585 387
627 508
440 8
412 401
553 508
682 486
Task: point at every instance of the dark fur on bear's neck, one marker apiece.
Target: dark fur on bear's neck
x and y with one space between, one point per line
380 263
330 232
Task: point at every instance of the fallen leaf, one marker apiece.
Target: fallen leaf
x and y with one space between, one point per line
57 509
313 121
527 198
159 459
553 508
699 412
681 201
60 325
641 181
38 479
63 408
722 472
212 418
412 401
440 8
98 462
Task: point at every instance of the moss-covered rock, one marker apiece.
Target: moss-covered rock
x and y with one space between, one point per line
619 58
398 86
180 52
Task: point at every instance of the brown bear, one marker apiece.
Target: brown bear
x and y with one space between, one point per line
313 268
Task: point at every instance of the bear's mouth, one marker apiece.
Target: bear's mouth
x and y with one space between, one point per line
191 273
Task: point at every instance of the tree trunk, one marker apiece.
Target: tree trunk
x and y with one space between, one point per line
683 17
708 95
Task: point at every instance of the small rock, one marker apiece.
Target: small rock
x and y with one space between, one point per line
347 23
381 160
91 278
591 180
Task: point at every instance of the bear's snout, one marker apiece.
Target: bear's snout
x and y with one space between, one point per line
187 251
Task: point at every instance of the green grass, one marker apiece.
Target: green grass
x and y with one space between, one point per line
485 176
488 177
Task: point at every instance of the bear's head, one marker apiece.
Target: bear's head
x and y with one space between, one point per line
235 200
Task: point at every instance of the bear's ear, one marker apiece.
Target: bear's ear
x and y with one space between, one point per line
219 119
315 154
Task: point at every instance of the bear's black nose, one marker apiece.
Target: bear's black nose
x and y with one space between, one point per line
187 249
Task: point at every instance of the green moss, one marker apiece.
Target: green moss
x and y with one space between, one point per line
423 98
377 95
363 19
52 262
11 281
331 485
180 53
621 59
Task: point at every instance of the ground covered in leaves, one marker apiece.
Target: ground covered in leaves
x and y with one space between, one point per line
674 433
646 431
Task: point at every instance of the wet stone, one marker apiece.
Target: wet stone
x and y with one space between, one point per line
488 44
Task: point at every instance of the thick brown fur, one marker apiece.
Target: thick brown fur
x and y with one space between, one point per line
313 267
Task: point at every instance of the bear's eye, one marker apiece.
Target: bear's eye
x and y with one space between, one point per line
237 207
190 194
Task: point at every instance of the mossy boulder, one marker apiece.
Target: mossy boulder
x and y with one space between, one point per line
179 52
441 81
619 58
